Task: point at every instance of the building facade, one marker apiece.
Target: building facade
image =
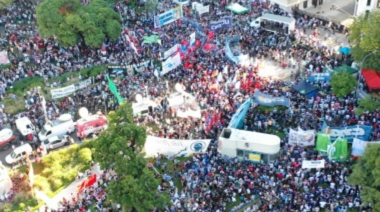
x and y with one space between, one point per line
300 4
365 6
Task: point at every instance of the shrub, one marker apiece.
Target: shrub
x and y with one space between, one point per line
84 156
20 87
21 198
55 183
6 207
41 183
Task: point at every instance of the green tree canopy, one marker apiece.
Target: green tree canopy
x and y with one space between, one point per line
369 103
73 22
119 147
366 174
364 36
343 84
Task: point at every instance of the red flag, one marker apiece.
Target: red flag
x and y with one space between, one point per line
210 35
81 187
91 180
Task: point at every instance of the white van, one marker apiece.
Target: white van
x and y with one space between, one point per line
18 154
25 126
142 108
61 126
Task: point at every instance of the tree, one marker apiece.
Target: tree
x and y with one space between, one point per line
364 36
366 174
150 6
119 147
369 103
343 84
71 22
5 3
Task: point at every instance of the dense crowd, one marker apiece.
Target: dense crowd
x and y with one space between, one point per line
210 181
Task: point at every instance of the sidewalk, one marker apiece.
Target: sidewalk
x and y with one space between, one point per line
67 193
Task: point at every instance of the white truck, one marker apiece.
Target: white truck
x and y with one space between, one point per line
63 125
25 126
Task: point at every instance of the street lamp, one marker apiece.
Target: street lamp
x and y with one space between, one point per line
361 66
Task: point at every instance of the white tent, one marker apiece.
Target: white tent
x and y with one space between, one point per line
5 181
237 8
291 22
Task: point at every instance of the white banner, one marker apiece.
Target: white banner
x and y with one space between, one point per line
171 63
171 51
4 58
301 138
173 147
189 113
65 91
313 164
192 39
203 9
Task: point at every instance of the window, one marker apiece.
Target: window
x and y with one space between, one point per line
305 4
378 4
368 2
240 153
366 14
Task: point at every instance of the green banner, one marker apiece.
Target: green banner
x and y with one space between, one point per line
338 150
113 89
151 39
323 141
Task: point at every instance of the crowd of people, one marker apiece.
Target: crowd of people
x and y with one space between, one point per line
219 85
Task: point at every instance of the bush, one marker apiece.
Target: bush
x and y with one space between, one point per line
21 86
41 183
21 198
84 155
6 207
55 183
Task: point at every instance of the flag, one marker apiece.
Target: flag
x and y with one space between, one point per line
210 35
323 141
87 183
338 150
151 39
113 89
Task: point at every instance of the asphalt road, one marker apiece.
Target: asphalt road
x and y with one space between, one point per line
3 154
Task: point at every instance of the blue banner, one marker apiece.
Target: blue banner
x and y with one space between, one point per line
361 132
168 17
224 22
315 77
269 100
228 50
237 120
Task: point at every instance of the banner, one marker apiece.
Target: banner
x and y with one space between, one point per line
128 70
174 147
254 157
171 51
4 58
224 22
168 17
361 132
269 100
313 164
171 63
113 90
301 138
237 120
315 77
203 9
358 147
192 39
65 91
151 39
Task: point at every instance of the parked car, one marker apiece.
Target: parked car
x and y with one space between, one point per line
57 142
7 139
19 154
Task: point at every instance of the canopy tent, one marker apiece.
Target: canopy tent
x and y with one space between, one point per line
290 22
345 50
345 68
306 89
372 79
237 8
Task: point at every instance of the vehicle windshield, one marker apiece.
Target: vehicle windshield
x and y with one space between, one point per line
13 155
60 137
43 131
46 141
